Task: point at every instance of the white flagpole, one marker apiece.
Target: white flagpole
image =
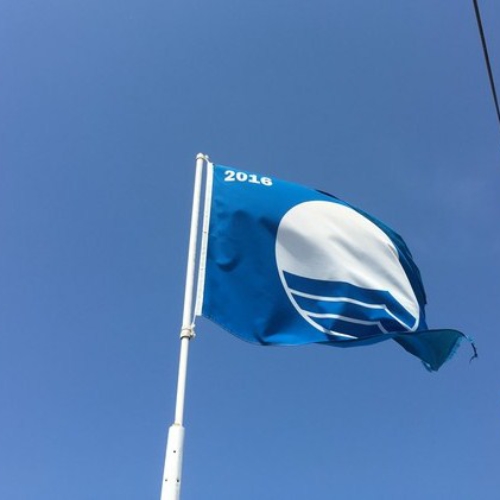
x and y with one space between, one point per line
171 486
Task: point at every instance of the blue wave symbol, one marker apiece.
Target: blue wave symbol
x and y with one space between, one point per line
347 310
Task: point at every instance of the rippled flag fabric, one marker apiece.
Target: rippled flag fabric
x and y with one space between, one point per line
288 265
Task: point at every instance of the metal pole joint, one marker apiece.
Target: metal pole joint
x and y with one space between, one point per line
188 332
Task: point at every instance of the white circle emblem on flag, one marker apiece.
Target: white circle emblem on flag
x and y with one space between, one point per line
342 273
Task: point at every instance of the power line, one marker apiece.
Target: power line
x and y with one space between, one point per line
487 58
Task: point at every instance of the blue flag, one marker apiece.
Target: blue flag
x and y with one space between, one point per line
288 265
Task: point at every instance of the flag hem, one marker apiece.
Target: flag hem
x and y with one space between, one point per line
200 289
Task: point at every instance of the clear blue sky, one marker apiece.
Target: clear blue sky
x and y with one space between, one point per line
104 106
